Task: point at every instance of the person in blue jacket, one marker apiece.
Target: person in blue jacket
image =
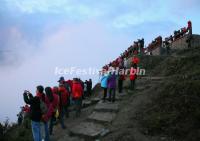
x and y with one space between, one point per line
104 85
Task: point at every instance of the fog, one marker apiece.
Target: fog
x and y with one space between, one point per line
30 63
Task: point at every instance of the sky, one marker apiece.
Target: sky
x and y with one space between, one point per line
36 36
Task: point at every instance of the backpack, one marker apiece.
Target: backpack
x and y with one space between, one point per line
43 107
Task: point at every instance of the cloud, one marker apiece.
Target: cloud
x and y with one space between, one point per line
83 45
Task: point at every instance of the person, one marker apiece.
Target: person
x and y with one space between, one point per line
20 118
189 37
46 112
132 78
35 114
26 114
77 92
85 89
104 85
135 61
62 96
90 87
125 63
189 28
54 101
112 86
64 99
121 79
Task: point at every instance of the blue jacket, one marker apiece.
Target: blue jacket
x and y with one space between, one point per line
104 81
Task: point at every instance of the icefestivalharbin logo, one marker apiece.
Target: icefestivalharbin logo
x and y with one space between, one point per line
94 71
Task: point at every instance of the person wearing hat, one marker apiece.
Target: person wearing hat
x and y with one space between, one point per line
77 93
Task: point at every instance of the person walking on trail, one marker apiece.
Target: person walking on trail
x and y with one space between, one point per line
121 79
77 92
104 85
67 85
64 99
62 95
35 114
132 78
53 100
112 86
60 110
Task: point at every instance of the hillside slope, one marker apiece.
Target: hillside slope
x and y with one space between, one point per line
166 109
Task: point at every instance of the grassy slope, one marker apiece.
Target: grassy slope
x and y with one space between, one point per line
175 112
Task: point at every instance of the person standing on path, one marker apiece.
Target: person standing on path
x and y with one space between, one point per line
112 86
104 85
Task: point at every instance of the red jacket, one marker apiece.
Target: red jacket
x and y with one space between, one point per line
133 74
77 90
26 109
122 77
135 60
189 24
64 95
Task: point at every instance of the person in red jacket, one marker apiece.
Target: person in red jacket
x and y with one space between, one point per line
64 100
26 114
135 61
77 92
189 28
55 104
132 78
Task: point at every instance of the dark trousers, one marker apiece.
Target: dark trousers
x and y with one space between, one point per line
112 94
132 84
120 86
66 107
104 93
61 120
134 66
78 105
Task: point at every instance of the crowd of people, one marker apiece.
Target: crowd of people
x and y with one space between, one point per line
50 105
110 78
179 34
157 42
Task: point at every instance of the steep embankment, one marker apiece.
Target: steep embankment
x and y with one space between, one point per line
163 109
175 112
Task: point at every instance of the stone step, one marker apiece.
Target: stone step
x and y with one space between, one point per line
86 103
107 107
95 100
68 138
122 94
102 117
140 88
87 130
